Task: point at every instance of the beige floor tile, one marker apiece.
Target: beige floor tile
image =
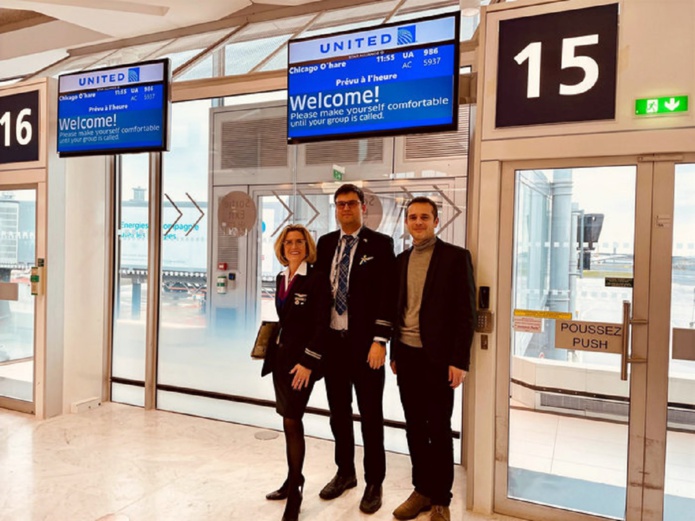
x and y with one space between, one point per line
677 487
573 469
120 463
535 463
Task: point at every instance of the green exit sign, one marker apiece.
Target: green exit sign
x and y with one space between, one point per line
338 172
665 105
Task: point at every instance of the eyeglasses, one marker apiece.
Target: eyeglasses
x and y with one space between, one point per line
347 204
298 242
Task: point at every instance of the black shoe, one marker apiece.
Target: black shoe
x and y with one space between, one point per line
337 486
371 501
281 493
294 503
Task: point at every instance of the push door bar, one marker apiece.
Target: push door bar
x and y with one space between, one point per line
627 322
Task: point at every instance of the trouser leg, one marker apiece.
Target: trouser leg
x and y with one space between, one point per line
339 394
414 398
439 432
369 389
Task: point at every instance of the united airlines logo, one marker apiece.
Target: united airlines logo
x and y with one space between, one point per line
406 35
134 74
356 44
98 80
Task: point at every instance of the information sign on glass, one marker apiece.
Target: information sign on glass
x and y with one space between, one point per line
394 79
114 110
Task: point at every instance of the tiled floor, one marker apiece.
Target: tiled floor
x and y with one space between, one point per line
121 463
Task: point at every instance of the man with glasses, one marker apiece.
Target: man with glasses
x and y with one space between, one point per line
360 263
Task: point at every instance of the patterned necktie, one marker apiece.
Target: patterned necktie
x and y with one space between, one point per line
343 272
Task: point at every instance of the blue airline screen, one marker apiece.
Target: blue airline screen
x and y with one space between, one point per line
392 89
114 118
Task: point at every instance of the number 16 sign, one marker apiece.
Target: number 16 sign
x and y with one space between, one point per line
19 127
557 67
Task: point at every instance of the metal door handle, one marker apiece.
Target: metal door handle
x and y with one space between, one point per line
627 322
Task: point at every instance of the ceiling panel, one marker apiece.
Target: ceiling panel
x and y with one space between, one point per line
14 19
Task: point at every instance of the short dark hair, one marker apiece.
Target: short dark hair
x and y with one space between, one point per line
422 199
349 188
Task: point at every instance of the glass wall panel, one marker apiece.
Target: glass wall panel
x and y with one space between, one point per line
277 62
679 502
130 288
230 167
202 69
573 255
192 352
241 57
17 256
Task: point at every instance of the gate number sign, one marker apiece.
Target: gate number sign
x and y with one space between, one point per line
557 67
19 129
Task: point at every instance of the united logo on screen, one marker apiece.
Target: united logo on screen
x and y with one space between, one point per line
134 74
406 35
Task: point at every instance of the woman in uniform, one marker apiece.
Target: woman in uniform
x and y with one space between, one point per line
303 302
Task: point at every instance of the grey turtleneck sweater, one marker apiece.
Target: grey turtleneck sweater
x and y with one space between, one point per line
419 262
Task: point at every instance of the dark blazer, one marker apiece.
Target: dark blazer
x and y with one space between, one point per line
369 302
447 312
304 319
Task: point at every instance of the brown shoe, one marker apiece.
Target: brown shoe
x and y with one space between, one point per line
440 513
412 506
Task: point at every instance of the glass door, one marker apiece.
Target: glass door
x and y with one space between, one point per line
577 249
17 256
679 487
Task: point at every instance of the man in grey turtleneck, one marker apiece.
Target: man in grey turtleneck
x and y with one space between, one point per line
430 354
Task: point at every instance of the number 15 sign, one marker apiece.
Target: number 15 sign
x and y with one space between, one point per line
557 67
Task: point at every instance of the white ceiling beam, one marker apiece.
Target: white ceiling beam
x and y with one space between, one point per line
45 37
109 5
251 14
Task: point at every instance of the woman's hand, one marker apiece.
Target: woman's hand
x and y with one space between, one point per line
301 377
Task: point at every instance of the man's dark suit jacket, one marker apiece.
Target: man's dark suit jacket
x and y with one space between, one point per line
304 320
369 302
447 313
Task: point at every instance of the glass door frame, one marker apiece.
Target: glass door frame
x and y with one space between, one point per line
648 381
28 180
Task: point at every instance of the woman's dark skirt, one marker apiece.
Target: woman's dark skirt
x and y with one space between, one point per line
288 402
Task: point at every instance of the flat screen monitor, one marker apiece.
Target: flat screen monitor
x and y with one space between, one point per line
393 79
114 110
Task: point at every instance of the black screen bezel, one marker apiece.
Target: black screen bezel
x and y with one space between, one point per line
401 131
166 111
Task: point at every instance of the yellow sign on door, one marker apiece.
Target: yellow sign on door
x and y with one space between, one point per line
556 315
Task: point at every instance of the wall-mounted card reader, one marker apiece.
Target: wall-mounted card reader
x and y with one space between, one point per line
484 297
485 322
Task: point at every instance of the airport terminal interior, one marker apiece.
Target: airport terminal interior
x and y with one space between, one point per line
567 168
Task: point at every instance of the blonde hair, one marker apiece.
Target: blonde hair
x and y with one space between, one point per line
310 244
